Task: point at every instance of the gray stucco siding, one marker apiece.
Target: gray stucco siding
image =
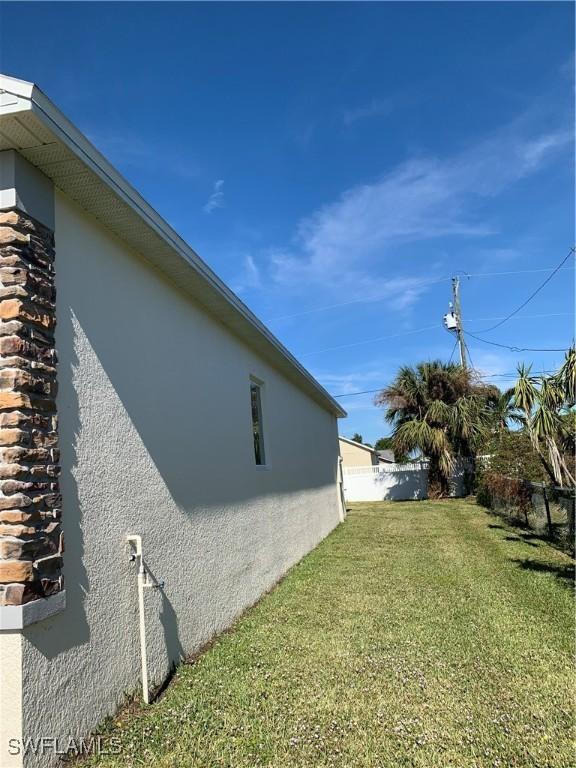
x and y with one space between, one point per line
156 440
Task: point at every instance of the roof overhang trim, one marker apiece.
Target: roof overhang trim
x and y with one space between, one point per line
357 445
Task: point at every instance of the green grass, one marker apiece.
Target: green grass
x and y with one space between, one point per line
418 634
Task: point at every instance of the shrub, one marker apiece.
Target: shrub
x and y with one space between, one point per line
505 473
511 493
511 454
483 495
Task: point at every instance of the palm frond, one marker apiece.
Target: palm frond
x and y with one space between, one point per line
567 377
525 391
438 412
551 395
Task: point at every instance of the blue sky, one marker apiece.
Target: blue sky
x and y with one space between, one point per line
336 163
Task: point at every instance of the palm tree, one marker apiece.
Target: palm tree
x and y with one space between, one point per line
502 408
439 409
546 404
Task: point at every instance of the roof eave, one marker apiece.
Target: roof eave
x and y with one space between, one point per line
357 445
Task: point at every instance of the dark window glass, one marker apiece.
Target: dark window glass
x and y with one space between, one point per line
257 429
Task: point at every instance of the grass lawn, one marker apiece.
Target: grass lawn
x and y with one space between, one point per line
418 634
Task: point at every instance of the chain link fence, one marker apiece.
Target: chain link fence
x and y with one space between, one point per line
552 513
547 510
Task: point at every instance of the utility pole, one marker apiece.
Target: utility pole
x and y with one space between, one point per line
458 316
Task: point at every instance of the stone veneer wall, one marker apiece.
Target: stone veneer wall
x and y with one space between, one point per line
30 503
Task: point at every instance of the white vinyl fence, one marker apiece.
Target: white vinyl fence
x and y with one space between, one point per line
394 482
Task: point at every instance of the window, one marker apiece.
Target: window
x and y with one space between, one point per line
257 426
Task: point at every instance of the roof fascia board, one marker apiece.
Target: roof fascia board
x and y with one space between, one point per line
12 102
17 87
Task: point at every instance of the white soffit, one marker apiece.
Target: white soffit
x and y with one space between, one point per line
33 126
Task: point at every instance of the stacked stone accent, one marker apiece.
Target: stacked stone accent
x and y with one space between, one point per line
31 542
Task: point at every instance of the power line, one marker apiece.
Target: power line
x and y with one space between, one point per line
523 317
516 349
418 330
513 272
325 308
364 392
371 341
515 375
485 376
418 284
469 355
532 295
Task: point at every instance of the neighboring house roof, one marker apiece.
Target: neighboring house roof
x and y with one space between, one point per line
33 126
386 455
356 445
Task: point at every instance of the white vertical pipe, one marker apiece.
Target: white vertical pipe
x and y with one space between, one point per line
142 621
136 542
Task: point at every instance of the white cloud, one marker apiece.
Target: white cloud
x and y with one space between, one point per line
304 134
567 67
491 364
353 249
375 108
250 277
216 199
367 377
344 383
339 245
400 293
354 404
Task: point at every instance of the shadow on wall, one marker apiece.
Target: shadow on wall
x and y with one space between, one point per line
190 409
73 628
408 485
400 485
168 374
169 621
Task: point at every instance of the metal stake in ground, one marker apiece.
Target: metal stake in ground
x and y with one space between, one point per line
548 516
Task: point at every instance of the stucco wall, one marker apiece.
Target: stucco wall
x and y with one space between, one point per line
155 434
354 456
10 698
